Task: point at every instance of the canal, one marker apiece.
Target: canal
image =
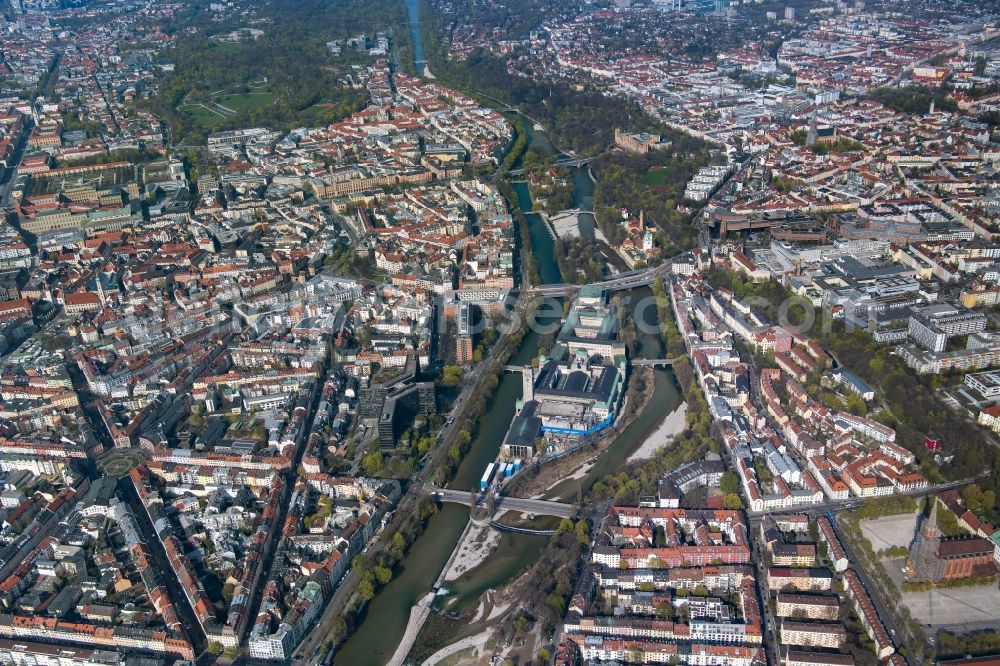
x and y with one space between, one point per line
540 234
540 241
583 199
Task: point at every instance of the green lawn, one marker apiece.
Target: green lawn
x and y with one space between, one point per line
118 464
250 97
246 101
655 177
203 116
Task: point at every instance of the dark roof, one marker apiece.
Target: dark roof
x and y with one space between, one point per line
963 547
576 382
794 549
992 660
808 599
821 657
525 427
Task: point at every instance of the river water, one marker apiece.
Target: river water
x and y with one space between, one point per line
384 622
375 640
413 15
539 232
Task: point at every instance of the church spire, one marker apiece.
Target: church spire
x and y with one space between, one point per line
811 135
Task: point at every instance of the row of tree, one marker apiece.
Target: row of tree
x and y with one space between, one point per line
376 567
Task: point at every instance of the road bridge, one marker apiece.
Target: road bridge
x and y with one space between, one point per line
630 280
571 162
653 362
529 506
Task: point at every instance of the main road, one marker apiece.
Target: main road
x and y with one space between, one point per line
888 619
504 503
816 510
307 651
631 280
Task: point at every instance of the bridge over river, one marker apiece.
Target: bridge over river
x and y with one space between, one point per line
529 506
574 162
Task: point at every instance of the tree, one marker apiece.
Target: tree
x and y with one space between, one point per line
733 502
856 405
338 630
973 496
398 546
382 574
520 625
372 463
948 522
452 375
582 532
366 588
989 500
544 655
728 483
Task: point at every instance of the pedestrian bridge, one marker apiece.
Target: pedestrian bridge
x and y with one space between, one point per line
504 527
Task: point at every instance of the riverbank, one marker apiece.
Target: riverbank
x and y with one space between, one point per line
473 548
418 615
478 542
466 651
673 424
566 224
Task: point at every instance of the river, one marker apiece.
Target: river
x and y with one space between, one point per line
386 616
583 199
413 15
375 640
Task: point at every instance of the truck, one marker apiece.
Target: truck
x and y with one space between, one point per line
484 483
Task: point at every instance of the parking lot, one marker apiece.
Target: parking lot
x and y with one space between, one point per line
959 609
890 531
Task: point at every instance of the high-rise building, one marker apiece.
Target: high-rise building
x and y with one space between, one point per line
464 342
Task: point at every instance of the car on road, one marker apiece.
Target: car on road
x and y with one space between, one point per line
451 419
